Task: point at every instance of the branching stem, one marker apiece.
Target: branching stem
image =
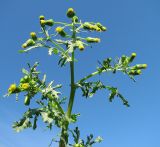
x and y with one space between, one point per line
64 132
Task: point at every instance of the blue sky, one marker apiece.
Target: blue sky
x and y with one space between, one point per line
133 26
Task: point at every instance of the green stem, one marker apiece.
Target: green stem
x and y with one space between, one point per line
73 89
64 133
91 75
96 73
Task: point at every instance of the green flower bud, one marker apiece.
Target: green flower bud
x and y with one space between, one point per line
86 25
35 123
22 80
75 19
25 79
49 22
93 40
33 82
24 45
97 29
27 100
42 22
103 28
133 55
70 12
60 31
25 86
33 35
140 66
91 27
78 145
135 72
80 45
94 27
29 42
41 17
13 89
123 58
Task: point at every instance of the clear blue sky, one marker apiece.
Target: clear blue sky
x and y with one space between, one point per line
133 26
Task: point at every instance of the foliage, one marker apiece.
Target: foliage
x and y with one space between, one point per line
64 42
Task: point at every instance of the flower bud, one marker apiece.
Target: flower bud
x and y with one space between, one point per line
25 86
29 42
123 58
93 40
24 45
60 31
103 28
75 19
41 17
81 47
94 28
49 22
140 66
27 100
133 55
42 22
87 26
97 29
135 72
70 12
12 88
33 35
78 145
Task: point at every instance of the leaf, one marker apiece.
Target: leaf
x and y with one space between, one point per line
44 79
71 47
25 71
73 118
21 51
22 124
53 50
30 48
46 118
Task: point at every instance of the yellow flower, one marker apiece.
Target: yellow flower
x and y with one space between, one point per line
12 88
41 17
59 29
25 86
42 22
24 45
33 35
81 47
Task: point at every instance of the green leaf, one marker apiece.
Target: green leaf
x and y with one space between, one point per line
30 48
25 71
21 51
55 51
22 124
46 118
73 118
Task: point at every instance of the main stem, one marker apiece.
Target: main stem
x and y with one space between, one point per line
64 133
